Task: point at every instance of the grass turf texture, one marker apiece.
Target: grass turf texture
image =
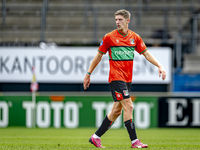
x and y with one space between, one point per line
24 138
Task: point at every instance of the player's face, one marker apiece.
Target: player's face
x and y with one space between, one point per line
121 22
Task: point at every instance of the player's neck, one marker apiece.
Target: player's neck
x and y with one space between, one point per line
124 31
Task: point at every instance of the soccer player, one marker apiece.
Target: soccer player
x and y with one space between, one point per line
120 45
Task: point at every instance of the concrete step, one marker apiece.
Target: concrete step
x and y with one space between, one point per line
22 21
24 3
65 35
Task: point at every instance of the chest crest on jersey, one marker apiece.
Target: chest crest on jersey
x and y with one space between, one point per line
117 41
132 41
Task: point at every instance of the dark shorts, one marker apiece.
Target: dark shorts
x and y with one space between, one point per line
120 90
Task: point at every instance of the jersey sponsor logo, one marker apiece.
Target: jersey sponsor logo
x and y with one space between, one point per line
117 40
132 41
125 92
122 53
101 43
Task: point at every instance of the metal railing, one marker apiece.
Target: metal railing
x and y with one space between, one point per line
190 39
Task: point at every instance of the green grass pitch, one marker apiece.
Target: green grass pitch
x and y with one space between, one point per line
20 138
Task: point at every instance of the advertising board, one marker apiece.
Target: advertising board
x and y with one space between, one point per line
70 64
71 111
179 112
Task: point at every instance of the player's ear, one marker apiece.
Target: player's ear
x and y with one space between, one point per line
128 20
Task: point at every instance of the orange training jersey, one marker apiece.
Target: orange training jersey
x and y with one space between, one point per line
121 49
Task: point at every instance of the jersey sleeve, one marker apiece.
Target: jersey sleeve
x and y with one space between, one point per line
140 45
104 45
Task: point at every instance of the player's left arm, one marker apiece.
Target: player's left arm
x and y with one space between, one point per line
155 62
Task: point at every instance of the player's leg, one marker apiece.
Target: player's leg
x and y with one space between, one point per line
115 111
106 124
128 121
128 117
108 120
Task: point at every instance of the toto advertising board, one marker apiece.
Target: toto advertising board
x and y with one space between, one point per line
71 111
69 65
89 111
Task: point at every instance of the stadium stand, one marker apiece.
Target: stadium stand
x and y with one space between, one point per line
86 21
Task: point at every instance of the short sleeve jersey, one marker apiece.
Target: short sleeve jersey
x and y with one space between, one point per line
121 49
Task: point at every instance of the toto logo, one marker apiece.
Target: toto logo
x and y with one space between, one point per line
43 113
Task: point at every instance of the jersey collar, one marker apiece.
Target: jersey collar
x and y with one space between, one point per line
124 35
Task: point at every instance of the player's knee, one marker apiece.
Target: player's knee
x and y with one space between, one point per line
129 108
117 112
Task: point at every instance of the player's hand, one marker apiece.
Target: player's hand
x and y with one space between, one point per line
162 72
86 81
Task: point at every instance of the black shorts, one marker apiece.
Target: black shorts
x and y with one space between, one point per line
120 90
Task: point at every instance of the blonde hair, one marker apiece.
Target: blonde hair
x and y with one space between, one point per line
125 13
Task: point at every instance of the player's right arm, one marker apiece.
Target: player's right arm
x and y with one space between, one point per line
94 63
